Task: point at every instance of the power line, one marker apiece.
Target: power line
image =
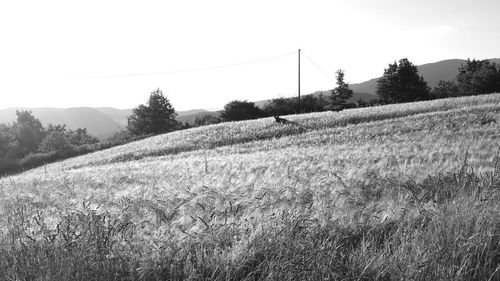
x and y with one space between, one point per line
187 70
319 68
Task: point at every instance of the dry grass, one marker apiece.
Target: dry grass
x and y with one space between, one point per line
403 192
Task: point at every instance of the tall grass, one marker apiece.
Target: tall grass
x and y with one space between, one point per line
414 196
446 229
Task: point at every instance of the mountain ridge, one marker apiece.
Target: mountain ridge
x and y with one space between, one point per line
446 70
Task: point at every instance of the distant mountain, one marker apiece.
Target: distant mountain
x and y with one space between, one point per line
432 72
120 115
96 122
191 112
101 122
117 115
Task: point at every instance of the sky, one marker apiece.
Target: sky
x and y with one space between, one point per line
203 54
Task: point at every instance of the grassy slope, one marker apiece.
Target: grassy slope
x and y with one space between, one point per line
396 192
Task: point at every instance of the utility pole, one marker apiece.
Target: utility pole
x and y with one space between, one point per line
300 108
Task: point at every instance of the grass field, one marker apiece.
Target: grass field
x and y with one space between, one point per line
397 192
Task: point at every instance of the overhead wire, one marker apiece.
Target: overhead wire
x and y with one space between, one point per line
319 68
187 70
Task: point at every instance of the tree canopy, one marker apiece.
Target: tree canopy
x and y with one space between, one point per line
445 89
28 131
342 93
478 77
156 117
401 83
240 110
27 144
281 106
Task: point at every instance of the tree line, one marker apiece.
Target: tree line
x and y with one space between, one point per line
26 143
400 83
239 110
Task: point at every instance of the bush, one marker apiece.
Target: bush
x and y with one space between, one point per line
34 160
9 166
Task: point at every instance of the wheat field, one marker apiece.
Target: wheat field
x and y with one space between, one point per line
396 192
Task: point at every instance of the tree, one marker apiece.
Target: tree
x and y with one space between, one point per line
401 83
8 143
29 131
280 106
54 141
157 117
445 89
478 77
340 95
240 110
314 103
80 137
9 150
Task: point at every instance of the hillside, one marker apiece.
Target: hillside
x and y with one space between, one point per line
103 122
117 115
373 193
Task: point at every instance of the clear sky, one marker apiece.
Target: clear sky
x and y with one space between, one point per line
114 53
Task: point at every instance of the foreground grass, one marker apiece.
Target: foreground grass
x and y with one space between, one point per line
344 196
448 229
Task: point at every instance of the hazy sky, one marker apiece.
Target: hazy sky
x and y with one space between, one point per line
114 53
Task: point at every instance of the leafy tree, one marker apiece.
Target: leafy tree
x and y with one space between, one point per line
340 95
80 137
156 117
240 110
362 103
478 77
445 89
285 106
314 103
5 141
401 83
8 143
280 106
54 141
26 144
29 131
58 128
